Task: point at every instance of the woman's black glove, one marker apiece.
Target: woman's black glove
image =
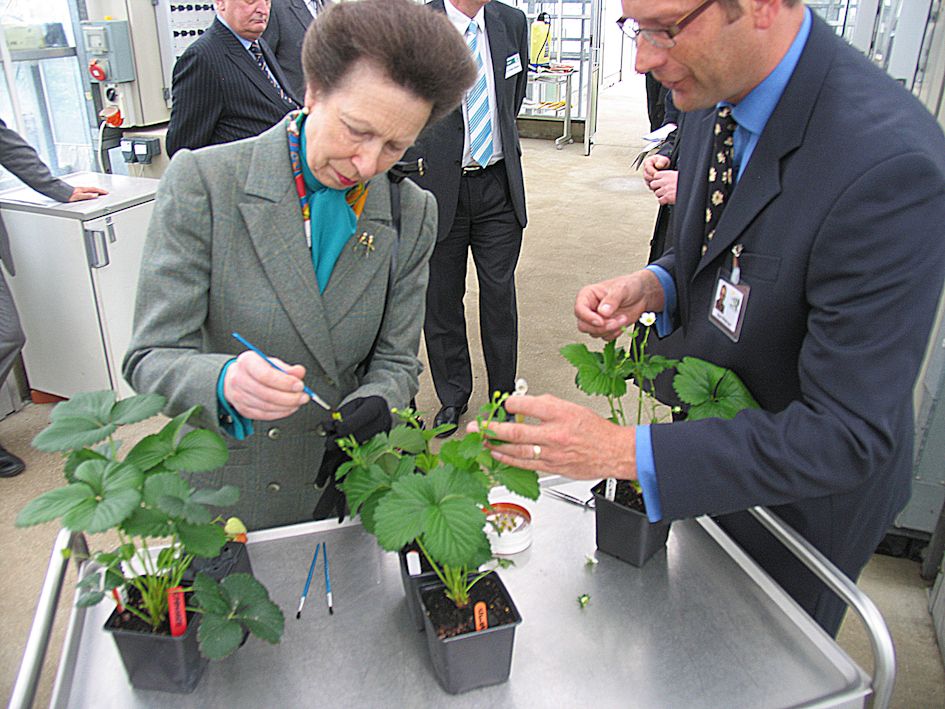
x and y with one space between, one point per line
362 418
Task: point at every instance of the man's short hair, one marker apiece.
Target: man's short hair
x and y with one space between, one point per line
418 48
733 8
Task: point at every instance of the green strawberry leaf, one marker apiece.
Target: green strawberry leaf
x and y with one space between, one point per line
66 433
218 636
400 516
199 451
521 482
203 540
408 439
710 391
150 452
87 404
136 408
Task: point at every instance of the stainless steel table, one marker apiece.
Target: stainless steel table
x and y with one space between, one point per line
698 625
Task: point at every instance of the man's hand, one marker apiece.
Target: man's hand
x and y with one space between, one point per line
569 440
602 309
664 186
258 391
80 194
651 166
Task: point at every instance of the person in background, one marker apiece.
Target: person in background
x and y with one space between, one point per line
228 85
660 174
840 263
291 239
288 20
655 101
19 157
474 168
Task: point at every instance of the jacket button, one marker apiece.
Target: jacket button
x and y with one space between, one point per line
320 430
274 434
273 487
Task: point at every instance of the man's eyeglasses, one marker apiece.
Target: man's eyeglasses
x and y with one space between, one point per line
664 37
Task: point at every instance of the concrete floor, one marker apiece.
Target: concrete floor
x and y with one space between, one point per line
590 218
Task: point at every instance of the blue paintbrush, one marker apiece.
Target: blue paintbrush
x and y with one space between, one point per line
331 610
314 397
308 581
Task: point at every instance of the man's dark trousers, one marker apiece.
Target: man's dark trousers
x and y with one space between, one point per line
485 223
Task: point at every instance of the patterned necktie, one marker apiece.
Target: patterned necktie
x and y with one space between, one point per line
721 173
477 105
256 51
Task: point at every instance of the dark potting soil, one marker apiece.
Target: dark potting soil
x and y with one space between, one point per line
449 621
625 495
129 622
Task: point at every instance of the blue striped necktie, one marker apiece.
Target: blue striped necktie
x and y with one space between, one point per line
478 111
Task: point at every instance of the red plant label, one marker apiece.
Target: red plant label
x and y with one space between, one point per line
176 612
481 615
119 600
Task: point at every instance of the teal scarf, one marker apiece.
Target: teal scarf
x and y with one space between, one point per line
333 221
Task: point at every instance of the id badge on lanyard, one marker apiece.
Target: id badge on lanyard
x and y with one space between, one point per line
730 300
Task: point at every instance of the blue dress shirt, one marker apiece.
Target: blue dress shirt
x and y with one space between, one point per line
751 114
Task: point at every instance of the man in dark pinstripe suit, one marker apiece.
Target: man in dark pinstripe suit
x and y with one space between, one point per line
228 85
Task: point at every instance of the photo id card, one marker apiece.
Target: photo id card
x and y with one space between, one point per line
727 311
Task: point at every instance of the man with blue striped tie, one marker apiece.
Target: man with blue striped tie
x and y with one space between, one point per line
473 167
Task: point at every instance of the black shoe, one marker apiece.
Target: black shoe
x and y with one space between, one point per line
448 415
10 465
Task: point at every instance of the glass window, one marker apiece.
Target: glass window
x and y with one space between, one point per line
44 72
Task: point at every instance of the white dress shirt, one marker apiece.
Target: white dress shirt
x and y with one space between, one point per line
461 23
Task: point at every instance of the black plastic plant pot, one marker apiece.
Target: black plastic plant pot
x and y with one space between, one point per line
626 533
412 585
479 658
160 662
232 559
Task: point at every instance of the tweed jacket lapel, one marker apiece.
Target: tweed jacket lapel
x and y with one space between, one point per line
279 240
358 265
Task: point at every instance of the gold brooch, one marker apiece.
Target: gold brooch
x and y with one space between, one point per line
365 243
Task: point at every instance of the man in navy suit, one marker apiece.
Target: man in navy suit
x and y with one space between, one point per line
481 208
835 216
228 85
288 20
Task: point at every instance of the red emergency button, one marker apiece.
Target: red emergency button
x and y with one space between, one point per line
96 70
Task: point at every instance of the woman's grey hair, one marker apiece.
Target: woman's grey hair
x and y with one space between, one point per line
418 48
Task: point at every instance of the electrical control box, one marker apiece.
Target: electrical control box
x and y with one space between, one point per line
158 33
107 46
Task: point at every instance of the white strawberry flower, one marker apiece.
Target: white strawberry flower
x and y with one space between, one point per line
647 319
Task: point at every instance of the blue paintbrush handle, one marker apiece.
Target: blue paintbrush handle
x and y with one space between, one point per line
331 609
308 581
311 394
